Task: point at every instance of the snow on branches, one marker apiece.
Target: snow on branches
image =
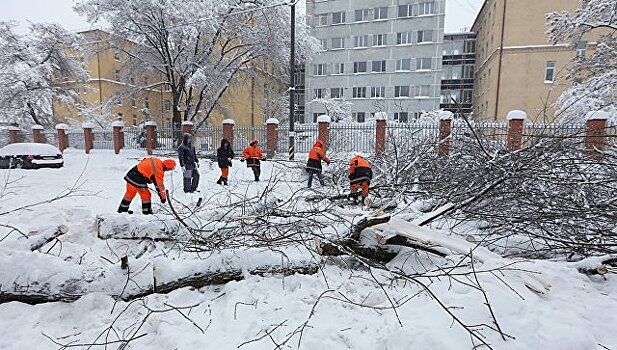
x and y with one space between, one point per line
35 70
594 76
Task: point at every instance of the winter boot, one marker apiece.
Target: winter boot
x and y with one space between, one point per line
146 208
124 206
220 180
225 181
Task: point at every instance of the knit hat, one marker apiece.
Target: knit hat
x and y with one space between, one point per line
169 164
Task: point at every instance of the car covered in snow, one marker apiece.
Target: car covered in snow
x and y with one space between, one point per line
30 156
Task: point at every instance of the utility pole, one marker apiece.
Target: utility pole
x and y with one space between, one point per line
292 87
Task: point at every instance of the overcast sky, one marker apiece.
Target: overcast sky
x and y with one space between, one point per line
459 13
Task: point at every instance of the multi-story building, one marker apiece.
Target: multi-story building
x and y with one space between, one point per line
249 100
375 56
516 65
459 59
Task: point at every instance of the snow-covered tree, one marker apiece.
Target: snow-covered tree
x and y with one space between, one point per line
338 109
594 78
199 47
36 69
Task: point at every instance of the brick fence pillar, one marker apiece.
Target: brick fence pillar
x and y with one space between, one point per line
380 133
323 123
88 136
228 131
37 134
445 131
272 136
63 139
595 138
516 123
187 127
14 134
150 137
118 136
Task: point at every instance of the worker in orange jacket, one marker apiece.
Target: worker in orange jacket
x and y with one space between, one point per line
148 171
360 175
253 156
313 165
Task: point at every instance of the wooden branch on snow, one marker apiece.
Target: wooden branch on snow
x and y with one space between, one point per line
40 239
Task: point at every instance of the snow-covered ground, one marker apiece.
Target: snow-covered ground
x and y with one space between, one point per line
337 308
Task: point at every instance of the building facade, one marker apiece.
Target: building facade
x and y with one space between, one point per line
375 56
111 95
517 67
459 60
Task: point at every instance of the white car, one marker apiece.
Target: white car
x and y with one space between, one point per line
30 156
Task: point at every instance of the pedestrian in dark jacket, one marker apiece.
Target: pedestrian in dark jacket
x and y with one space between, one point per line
224 155
189 163
313 165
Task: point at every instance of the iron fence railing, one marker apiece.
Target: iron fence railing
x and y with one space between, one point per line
356 137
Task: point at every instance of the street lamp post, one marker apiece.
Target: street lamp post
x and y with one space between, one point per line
292 87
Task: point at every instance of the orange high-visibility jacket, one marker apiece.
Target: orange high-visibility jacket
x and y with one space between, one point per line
153 170
252 154
359 170
316 155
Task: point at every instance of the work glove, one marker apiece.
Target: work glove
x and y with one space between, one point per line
242 160
328 161
229 160
263 158
197 164
163 200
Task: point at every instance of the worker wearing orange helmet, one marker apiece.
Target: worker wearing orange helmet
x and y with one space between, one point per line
360 175
253 156
148 171
313 165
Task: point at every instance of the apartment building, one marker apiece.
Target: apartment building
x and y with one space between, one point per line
516 66
459 59
378 55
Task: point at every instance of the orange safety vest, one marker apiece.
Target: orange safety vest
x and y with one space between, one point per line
153 170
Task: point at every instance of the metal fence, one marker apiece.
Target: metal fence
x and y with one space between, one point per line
343 137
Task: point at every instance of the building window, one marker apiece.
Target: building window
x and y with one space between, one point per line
117 75
359 92
360 117
467 96
359 67
362 15
468 71
378 66
338 43
401 91
167 105
379 39
549 75
403 64
117 55
315 116
319 93
360 41
426 8
319 69
425 36
323 44
339 68
133 102
134 119
321 20
422 91
338 17
380 13
120 116
423 63
336 92
403 38
581 49
119 100
401 117
469 46
404 10
146 102
378 92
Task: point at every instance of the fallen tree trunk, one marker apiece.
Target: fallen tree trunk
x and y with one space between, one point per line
39 239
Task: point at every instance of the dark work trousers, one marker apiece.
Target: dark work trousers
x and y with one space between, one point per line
191 180
319 176
256 172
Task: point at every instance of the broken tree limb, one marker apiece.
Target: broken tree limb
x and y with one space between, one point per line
366 223
39 239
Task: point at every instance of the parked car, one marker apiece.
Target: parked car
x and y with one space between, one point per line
30 156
